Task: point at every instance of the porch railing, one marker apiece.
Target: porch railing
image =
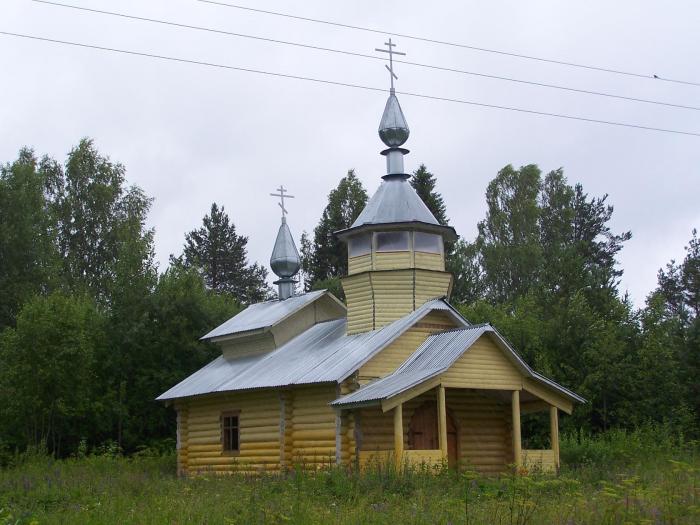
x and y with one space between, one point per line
544 460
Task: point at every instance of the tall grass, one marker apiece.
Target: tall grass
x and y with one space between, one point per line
646 476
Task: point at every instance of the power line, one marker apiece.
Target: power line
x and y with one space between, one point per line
452 44
366 56
346 84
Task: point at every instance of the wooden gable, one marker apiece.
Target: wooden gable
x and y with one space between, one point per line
484 365
391 357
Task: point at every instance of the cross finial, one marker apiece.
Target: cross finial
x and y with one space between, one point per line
282 190
390 67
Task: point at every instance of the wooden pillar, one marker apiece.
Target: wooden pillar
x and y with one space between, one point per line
517 444
554 433
398 435
442 421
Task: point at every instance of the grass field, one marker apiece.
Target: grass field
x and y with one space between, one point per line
646 476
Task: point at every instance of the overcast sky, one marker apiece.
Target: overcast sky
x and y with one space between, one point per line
191 135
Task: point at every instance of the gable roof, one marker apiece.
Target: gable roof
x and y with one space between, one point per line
260 316
323 353
437 354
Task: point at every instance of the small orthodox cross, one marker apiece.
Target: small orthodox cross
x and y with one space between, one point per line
282 190
390 67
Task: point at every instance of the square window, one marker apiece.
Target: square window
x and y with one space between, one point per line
392 241
427 242
230 432
359 245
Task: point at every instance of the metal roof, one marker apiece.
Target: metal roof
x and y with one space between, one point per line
323 353
433 357
395 201
264 315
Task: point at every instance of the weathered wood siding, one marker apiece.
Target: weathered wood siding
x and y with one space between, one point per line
484 365
259 422
389 359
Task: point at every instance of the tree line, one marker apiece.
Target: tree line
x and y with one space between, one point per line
91 331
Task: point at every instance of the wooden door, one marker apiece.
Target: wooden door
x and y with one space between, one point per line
423 432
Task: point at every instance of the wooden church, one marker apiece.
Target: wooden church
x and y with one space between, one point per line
395 375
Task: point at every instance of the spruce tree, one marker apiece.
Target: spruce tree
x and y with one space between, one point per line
326 257
222 257
424 183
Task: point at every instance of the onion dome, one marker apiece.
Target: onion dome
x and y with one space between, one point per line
393 129
285 261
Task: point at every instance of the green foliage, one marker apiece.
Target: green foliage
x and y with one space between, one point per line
49 367
28 257
92 333
424 183
652 480
221 255
325 257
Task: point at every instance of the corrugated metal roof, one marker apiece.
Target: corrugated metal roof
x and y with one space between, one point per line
263 315
437 353
323 353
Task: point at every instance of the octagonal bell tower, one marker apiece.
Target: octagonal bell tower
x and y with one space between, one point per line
396 256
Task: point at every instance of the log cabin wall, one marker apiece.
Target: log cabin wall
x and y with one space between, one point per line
201 449
313 423
483 427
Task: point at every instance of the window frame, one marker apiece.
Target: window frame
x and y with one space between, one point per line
441 243
222 419
409 241
355 238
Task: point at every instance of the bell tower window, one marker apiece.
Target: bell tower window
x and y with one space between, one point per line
359 245
427 242
392 241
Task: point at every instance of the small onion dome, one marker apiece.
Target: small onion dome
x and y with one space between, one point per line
393 129
285 261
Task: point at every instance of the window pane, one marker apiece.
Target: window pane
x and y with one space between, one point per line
392 241
230 433
427 242
359 245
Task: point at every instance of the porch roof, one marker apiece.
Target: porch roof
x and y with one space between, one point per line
435 356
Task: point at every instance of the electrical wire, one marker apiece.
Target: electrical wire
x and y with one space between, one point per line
345 84
366 56
452 44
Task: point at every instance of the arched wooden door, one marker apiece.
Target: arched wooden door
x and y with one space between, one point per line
423 432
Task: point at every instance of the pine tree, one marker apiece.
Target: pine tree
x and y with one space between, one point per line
221 255
326 257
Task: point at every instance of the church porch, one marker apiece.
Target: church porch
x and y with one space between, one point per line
468 429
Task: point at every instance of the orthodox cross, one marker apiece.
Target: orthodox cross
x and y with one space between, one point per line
390 67
282 190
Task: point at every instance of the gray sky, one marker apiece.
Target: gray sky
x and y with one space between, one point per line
191 135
